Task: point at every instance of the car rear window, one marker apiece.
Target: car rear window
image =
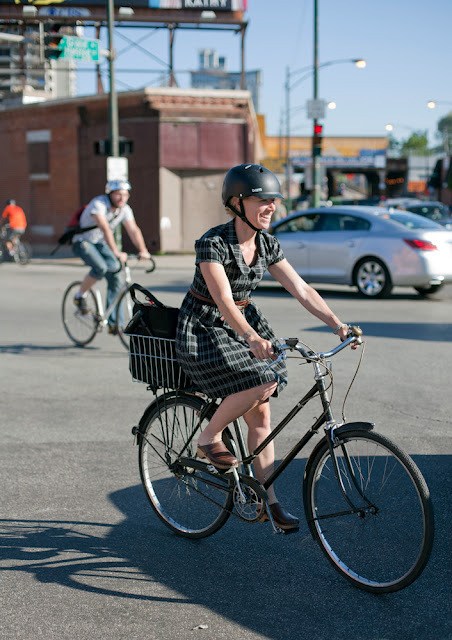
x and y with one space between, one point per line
410 220
432 212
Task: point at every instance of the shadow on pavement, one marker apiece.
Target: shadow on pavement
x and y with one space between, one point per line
281 587
432 331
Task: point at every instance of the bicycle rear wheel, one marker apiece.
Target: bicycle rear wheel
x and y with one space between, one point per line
192 503
22 254
384 543
124 312
80 327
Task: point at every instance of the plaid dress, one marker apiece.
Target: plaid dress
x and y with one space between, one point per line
216 357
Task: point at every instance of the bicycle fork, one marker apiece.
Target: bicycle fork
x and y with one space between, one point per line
334 442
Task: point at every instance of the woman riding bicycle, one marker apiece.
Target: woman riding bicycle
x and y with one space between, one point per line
223 340
97 247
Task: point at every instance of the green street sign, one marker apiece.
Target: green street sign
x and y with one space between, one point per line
79 49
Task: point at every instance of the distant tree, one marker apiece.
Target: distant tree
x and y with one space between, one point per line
416 144
394 144
445 132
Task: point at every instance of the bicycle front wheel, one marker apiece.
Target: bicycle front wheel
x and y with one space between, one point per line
80 327
124 312
192 503
383 542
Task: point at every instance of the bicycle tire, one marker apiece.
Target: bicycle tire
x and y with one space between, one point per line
383 548
81 328
124 310
183 498
152 265
22 254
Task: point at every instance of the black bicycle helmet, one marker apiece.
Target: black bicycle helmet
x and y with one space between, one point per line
247 180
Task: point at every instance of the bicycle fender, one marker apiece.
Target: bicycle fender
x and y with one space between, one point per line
355 426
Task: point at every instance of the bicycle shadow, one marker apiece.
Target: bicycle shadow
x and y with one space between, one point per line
281 587
26 348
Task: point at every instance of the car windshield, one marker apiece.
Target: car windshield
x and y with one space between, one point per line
434 212
410 220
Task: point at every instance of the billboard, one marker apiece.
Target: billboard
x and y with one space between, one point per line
198 5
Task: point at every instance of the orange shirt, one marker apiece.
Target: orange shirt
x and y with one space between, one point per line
16 215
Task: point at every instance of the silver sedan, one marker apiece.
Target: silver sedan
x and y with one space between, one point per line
371 248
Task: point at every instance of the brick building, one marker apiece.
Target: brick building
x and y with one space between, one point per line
181 143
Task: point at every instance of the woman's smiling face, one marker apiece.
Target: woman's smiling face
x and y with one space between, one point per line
259 211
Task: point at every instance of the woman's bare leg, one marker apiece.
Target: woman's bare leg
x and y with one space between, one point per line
234 407
259 427
252 405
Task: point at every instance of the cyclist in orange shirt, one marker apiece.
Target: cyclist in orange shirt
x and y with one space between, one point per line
17 223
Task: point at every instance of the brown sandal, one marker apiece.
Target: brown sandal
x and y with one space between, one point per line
218 455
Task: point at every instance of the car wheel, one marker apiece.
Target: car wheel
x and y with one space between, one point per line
426 291
372 278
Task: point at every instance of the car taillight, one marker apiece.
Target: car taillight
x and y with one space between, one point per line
421 245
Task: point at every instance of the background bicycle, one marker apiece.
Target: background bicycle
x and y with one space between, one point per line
82 327
21 252
365 501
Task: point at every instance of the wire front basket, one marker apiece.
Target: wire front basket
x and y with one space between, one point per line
153 361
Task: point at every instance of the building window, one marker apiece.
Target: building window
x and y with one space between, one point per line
38 154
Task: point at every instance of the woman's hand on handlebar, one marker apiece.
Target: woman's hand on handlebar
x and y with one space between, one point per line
144 255
344 333
260 348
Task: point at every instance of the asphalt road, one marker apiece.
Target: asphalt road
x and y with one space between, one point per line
83 556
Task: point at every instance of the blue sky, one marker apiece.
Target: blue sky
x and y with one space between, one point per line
406 44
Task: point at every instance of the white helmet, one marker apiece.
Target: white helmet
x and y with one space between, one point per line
117 185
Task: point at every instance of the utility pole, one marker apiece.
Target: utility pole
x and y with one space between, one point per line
113 98
315 148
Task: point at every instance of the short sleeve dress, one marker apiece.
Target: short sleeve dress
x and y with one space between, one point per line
216 358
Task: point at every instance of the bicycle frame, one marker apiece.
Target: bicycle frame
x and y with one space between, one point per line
104 315
326 417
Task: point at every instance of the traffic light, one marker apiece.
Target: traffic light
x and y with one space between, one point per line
52 41
317 140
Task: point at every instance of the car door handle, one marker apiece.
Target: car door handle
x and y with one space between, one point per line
351 243
301 245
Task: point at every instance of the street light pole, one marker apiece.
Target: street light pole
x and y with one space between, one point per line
113 98
315 155
288 167
289 85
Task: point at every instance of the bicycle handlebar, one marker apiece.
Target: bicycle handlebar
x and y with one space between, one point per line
131 256
354 337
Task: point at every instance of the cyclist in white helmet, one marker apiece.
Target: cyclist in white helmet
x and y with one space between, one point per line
97 247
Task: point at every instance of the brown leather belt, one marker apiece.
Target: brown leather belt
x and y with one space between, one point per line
241 304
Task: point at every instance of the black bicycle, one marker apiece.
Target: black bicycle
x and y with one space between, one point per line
365 501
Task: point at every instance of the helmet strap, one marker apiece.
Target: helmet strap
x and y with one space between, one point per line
241 214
